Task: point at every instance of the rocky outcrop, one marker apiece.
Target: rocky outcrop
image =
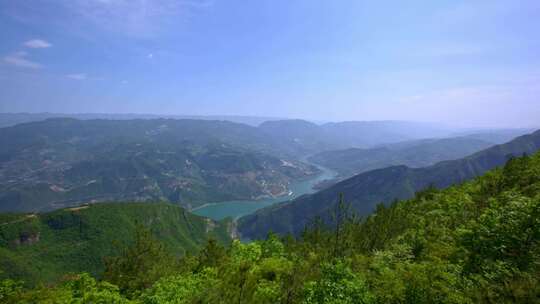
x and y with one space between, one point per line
26 238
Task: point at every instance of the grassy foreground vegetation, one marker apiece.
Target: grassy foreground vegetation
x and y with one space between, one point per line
477 242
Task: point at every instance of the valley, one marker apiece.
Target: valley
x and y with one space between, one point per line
365 191
491 221
151 198
414 154
64 162
238 208
269 152
164 199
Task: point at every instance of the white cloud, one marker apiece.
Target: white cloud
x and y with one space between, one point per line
78 76
136 17
37 44
150 56
19 59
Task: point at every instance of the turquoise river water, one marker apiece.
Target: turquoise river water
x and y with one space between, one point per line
236 209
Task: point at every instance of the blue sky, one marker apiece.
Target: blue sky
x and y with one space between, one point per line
474 63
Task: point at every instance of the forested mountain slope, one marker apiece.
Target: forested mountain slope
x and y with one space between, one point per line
417 153
478 242
64 162
366 190
43 247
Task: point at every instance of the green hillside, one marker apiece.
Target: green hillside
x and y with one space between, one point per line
366 190
478 242
59 163
44 247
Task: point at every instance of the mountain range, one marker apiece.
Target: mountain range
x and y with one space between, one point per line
64 162
61 162
308 137
11 119
364 191
414 154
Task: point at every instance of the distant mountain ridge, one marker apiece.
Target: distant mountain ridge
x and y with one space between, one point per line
11 119
310 138
417 153
305 136
366 190
498 136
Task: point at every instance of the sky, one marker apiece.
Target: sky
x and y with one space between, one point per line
467 63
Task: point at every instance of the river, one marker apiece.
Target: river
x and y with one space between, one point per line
236 209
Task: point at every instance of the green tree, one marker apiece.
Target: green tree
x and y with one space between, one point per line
10 291
337 285
78 289
140 265
212 255
184 288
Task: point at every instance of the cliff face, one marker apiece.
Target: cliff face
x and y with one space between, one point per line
27 238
